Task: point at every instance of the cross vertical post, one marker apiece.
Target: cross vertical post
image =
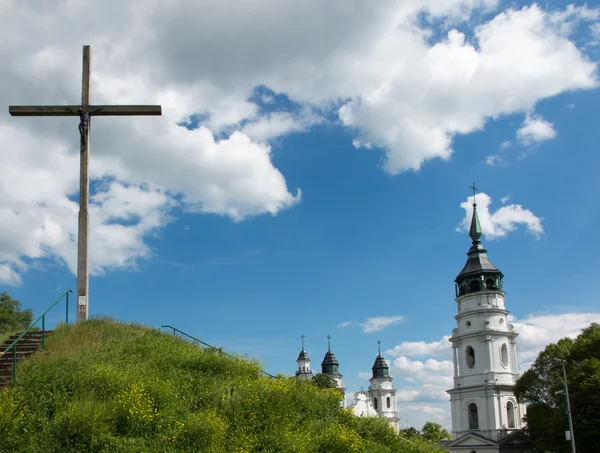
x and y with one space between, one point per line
84 186
474 189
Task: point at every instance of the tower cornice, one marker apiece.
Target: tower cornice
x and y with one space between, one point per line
477 334
481 311
463 297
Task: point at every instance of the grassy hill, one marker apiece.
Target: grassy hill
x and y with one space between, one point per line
108 386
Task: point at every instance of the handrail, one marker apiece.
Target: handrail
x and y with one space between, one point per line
13 345
210 346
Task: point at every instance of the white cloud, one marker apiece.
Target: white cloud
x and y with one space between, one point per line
538 330
411 108
276 124
365 375
505 144
494 160
417 415
440 348
535 130
375 324
501 222
430 371
505 199
9 276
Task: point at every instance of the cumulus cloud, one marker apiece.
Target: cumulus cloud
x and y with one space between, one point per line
503 221
534 130
375 324
440 348
493 160
538 330
373 65
364 375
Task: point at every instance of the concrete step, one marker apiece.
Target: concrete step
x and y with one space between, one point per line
28 345
8 357
30 334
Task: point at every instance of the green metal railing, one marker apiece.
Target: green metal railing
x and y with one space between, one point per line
209 346
13 345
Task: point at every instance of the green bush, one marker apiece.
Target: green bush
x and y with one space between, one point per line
105 386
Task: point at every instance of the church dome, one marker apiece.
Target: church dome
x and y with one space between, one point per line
330 364
303 355
380 367
478 273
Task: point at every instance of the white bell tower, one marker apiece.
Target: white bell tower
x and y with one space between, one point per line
485 356
382 391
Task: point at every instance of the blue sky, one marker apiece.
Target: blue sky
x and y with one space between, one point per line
250 214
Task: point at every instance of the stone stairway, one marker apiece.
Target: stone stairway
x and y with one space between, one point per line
29 344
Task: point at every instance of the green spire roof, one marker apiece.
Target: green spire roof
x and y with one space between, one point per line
478 265
475 231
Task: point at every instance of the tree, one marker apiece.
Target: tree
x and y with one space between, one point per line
410 433
434 432
542 389
12 318
323 381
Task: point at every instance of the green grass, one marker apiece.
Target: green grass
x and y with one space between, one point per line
107 386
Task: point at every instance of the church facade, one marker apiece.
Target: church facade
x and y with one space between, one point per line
378 401
486 417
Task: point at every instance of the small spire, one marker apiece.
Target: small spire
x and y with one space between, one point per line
475 231
302 341
379 347
329 343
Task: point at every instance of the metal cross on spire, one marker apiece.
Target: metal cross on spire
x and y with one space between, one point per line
475 189
379 347
302 341
84 111
329 343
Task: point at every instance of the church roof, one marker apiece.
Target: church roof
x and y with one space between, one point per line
329 359
380 363
477 261
302 356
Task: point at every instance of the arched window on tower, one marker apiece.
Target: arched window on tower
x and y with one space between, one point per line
473 418
510 414
470 356
375 403
504 355
474 286
388 402
489 284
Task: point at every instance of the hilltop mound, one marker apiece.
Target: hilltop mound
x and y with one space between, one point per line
107 386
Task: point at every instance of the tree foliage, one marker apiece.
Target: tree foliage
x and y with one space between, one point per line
12 317
323 381
410 433
542 389
434 432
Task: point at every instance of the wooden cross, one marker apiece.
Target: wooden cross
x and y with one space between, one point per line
84 111
475 189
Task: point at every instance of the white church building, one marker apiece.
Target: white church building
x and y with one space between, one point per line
486 417
378 401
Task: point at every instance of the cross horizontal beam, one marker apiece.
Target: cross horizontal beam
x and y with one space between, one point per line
94 110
